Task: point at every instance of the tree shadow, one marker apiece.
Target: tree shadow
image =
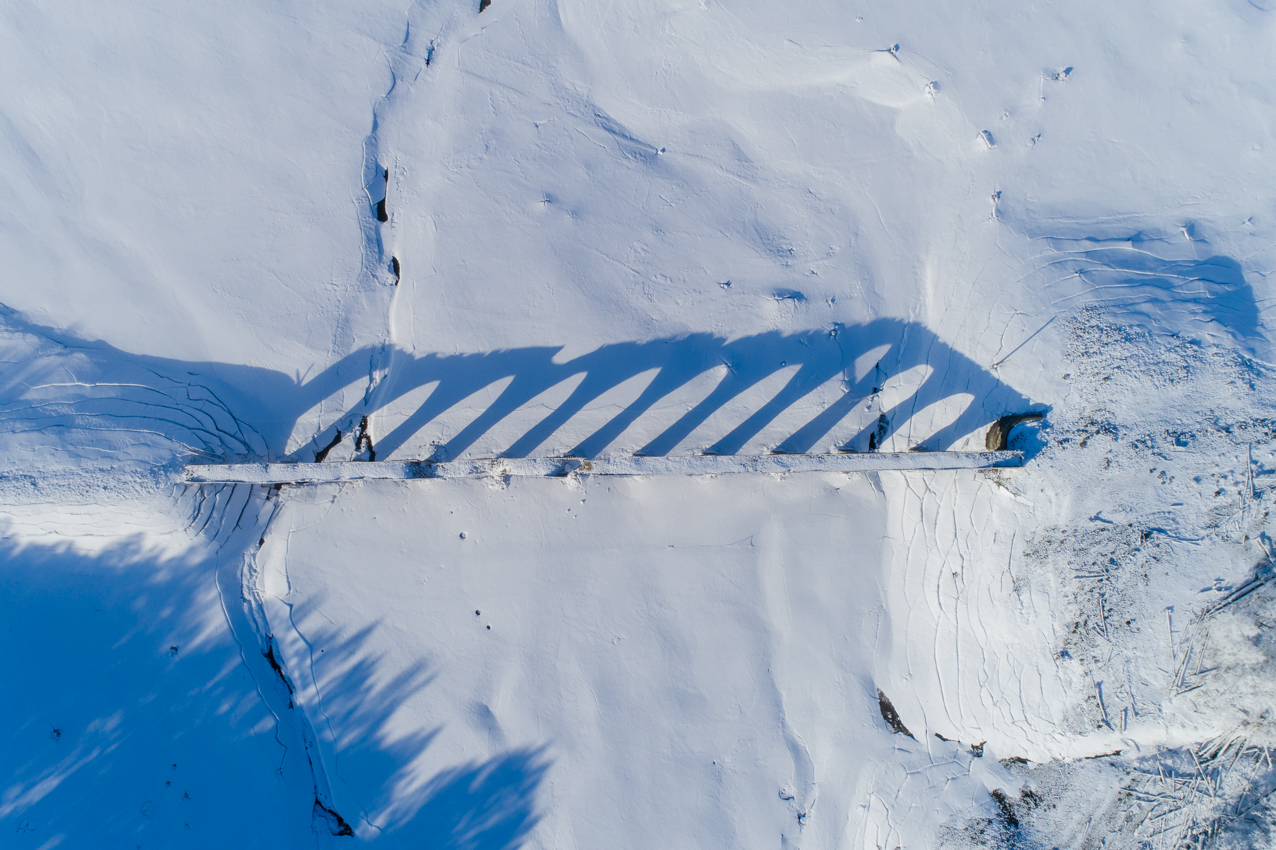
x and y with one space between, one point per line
138 712
376 780
127 717
480 806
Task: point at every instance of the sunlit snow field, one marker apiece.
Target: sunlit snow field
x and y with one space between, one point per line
326 232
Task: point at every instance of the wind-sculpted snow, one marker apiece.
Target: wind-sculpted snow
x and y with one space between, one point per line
1174 285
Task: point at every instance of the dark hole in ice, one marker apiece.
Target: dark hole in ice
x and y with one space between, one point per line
322 454
879 434
336 823
363 439
891 716
381 209
269 655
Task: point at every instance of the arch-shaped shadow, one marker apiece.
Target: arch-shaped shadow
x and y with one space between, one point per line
219 411
819 356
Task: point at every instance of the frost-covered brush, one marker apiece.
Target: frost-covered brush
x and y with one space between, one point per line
1191 795
560 467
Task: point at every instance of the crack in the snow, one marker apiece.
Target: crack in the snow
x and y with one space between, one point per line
241 576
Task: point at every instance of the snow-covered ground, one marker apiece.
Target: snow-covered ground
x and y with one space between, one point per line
306 232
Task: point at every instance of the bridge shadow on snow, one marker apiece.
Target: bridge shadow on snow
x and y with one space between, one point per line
894 348
218 411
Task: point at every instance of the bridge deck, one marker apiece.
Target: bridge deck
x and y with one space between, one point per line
319 473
